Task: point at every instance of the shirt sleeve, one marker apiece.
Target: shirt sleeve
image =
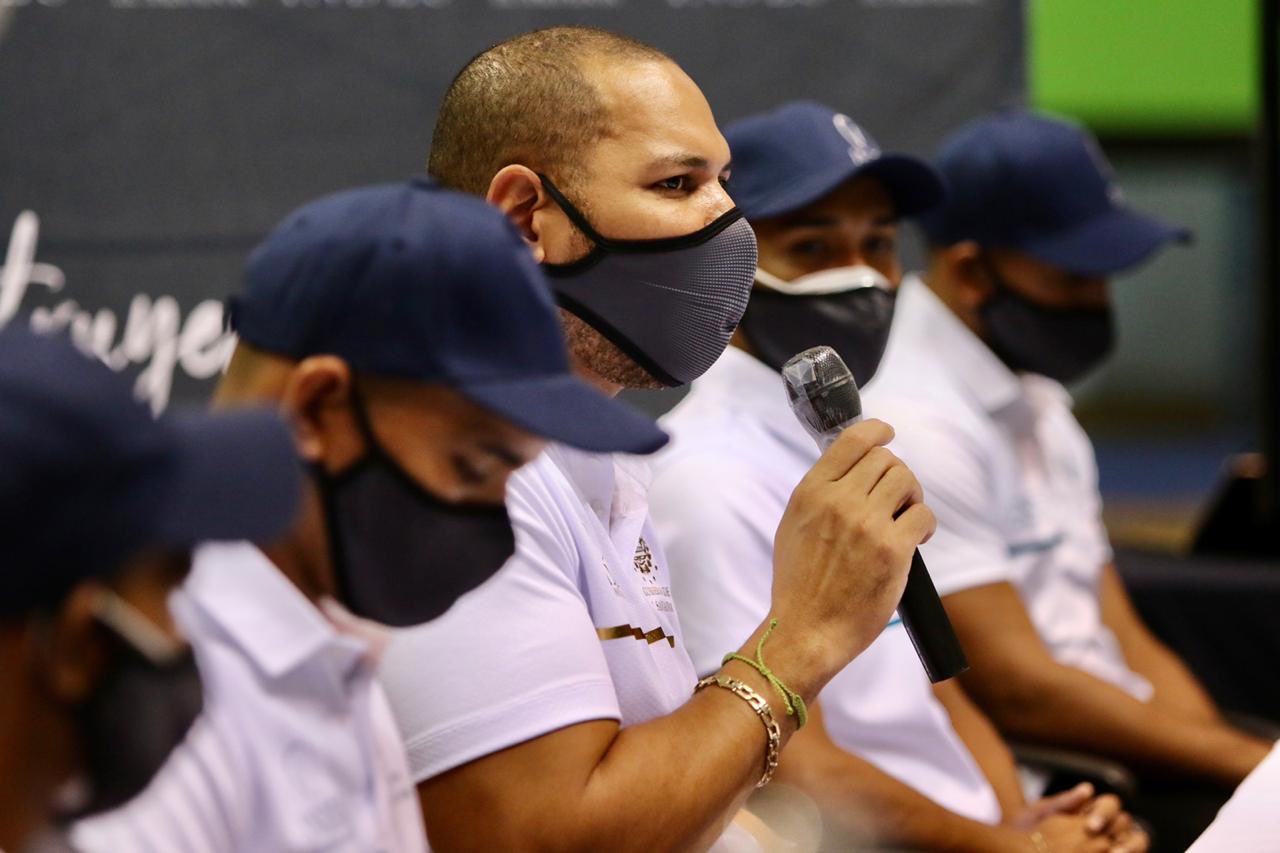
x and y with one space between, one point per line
513 660
968 550
716 520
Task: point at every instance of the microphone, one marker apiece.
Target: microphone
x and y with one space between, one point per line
824 397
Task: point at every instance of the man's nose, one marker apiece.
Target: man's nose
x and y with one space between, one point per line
718 202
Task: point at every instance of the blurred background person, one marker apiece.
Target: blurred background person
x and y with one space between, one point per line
887 761
1016 302
100 507
556 708
412 344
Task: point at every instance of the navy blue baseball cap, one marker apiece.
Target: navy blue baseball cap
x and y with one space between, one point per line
88 478
413 281
794 155
1041 185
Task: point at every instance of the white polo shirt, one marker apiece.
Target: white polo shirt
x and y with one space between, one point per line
579 625
1010 475
296 748
719 493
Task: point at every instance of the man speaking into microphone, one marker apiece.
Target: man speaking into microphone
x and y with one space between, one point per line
555 709
887 761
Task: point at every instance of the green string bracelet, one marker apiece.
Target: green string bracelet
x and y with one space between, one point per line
791 700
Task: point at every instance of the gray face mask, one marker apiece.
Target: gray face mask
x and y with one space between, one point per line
670 304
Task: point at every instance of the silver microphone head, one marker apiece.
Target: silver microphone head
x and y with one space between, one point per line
822 393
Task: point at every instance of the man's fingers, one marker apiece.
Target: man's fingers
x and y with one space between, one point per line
1121 826
868 471
917 524
850 447
1101 812
1066 802
1134 841
898 488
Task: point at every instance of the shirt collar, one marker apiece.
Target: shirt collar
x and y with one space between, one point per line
614 486
925 323
741 381
235 586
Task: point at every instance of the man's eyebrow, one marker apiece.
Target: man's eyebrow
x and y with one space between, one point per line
811 220
687 161
817 220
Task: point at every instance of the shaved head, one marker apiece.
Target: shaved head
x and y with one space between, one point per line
529 100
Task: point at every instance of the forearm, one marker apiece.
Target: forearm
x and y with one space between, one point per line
864 806
986 746
1051 703
1176 689
713 748
672 783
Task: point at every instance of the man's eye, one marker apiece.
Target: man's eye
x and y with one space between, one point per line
724 180
674 184
808 248
880 245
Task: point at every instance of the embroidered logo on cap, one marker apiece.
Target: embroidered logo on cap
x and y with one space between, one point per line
861 149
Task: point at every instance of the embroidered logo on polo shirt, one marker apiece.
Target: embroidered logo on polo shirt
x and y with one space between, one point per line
657 594
644 559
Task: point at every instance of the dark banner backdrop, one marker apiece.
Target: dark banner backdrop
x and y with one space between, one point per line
146 145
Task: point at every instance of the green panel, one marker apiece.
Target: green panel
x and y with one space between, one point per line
1146 66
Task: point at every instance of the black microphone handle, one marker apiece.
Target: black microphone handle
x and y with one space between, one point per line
927 624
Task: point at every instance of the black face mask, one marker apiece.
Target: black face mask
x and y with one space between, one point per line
401 555
853 321
1061 343
140 711
670 304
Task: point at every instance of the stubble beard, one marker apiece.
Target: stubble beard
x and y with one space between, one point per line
602 356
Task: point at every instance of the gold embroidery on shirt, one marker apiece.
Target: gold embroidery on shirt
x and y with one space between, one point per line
644 558
617 632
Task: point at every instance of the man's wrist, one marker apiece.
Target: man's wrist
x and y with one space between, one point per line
796 653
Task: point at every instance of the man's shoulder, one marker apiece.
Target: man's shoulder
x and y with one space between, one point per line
543 500
706 469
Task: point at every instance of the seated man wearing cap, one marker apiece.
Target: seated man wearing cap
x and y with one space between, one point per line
555 708
414 346
1014 304
890 763
100 506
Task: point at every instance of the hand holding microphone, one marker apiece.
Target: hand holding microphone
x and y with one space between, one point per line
825 399
841 554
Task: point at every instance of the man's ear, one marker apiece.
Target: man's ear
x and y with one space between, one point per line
316 402
517 191
69 645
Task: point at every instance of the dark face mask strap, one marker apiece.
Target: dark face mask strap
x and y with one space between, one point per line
372 447
376 450
575 215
